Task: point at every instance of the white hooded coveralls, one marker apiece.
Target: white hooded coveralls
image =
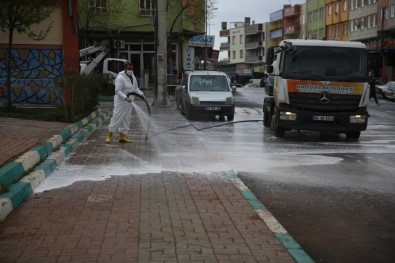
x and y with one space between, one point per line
120 120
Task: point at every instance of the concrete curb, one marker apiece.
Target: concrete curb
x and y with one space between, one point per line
30 169
293 248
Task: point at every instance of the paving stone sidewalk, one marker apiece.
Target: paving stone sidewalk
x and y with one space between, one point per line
155 217
18 135
164 217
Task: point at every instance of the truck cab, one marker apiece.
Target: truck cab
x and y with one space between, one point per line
318 85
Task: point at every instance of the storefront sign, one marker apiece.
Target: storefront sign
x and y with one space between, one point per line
200 41
388 43
189 55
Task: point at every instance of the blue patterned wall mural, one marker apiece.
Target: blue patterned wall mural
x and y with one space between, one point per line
36 77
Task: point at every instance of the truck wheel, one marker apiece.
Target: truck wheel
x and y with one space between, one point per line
278 132
230 117
266 117
353 135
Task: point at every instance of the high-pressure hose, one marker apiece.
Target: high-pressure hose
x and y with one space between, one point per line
148 107
182 126
203 128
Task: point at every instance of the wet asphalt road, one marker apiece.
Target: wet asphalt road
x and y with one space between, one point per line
335 197
338 212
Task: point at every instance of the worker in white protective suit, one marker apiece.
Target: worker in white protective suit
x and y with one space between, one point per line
125 83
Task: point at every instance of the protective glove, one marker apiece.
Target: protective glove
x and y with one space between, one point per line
129 100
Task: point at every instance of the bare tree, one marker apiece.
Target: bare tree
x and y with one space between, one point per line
106 17
18 16
193 13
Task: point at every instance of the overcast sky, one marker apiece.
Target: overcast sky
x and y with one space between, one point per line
237 10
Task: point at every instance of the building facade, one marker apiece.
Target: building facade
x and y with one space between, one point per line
132 33
39 67
245 47
337 19
315 24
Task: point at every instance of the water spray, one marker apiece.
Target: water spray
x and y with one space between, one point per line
148 107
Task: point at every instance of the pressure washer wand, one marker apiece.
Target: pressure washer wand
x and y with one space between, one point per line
148 107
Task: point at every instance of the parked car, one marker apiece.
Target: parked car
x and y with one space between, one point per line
207 92
254 83
387 90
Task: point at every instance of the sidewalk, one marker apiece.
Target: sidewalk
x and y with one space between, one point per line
155 217
17 135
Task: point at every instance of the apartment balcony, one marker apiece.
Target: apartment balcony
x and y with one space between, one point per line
224 46
254 59
278 33
253 29
224 33
292 11
253 45
292 29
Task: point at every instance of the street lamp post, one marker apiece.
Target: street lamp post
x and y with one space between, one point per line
205 39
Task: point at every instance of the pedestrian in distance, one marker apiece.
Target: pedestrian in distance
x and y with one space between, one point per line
125 83
372 83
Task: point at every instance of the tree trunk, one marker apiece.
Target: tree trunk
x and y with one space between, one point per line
8 56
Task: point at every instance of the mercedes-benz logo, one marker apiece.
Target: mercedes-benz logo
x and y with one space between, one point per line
324 98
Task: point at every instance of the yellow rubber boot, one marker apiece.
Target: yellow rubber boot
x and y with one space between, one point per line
123 138
109 137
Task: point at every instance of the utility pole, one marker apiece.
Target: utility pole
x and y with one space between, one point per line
161 55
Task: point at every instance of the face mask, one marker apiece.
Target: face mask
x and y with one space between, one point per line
129 72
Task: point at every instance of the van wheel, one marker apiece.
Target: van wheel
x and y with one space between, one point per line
353 135
266 117
189 113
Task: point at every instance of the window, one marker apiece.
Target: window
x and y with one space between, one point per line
344 5
336 8
234 40
147 7
357 24
362 23
234 54
329 10
241 53
98 6
372 21
384 12
392 11
241 39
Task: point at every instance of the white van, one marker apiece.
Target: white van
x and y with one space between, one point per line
207 92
